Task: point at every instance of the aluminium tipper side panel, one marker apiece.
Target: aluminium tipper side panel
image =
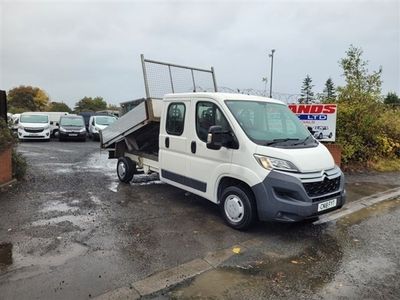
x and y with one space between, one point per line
126 124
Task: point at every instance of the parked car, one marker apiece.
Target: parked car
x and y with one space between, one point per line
72 127
322 132
34 126
54 118
98 123
14 122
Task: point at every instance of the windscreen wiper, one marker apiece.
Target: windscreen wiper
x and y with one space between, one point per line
275 141
304 141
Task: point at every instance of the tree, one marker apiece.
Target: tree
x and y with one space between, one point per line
59 106
113 107
307 95
329 91
392 99
27 98
361 85
359 127
90 104
41 100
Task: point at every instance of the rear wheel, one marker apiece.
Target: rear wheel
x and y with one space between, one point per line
238 207
125 169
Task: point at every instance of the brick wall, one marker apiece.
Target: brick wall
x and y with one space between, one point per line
336 152
5 166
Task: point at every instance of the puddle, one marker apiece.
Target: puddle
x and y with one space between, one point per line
58 206
113 186
376 209
79 221
33 265
73 250
6 254
94 199
358 190
266 276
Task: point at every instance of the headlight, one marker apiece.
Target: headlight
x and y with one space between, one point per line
62 129
46 127
21 127
275 163
82 130
97 128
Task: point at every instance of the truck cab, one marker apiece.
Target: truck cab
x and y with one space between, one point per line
250 155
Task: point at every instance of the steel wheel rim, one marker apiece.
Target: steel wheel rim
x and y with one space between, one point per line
234 209
121 169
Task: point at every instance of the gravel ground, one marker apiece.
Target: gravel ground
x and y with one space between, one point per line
72 231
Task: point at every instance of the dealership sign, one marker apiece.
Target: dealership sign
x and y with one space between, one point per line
320 119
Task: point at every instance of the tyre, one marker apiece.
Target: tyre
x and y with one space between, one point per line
330 134
238 207
320 137
125 169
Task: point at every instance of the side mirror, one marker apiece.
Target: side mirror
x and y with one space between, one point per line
214 137
51 123
310 129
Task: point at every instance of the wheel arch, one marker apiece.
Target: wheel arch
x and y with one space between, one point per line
227 181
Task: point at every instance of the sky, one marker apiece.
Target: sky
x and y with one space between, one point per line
73 49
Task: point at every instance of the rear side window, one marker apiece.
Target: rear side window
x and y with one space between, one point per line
175 118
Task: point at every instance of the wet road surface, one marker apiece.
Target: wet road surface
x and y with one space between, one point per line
71 231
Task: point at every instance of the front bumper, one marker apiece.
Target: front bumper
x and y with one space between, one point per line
283 197
72 135
35 135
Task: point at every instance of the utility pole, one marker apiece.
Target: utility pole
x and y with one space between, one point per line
272 68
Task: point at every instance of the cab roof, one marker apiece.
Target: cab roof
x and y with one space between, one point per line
221 97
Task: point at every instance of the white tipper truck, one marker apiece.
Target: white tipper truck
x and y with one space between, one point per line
248 154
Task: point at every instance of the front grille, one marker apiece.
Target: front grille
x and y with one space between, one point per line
33 130
316 189
330 196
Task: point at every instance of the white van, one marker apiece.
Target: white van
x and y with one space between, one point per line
98 123
34 126
54 118
250 155
322 132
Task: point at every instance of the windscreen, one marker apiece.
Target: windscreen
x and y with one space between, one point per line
105 120
269 124
72 122
34 119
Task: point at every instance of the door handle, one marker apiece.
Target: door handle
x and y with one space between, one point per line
193 147
167 142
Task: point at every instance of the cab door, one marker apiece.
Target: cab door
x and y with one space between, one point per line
205 166
173 142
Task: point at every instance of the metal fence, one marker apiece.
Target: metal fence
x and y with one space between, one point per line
161 78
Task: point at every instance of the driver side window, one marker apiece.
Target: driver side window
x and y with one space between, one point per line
207 115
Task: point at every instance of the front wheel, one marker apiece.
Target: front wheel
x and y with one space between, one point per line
238 207
125 169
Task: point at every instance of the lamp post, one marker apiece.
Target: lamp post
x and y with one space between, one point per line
272 68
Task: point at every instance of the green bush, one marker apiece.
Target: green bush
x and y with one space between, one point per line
367 131
19 165
7 138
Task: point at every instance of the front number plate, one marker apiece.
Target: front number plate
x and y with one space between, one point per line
73 134
327 204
